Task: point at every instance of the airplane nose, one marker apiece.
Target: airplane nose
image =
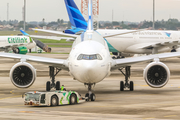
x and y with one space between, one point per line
90 70
89 67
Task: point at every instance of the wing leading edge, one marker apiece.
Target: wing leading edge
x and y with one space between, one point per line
117 63
48 61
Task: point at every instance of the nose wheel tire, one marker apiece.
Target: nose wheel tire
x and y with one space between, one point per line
54 101
93 97
48 86
131 86
121 86
58 85
87 96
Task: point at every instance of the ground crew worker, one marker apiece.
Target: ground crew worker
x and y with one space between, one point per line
63 88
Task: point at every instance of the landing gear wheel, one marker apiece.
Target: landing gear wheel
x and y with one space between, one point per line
87 96
48 86
54 101
131 86
173 50
121 86
93 97
73 99
58 85
113 57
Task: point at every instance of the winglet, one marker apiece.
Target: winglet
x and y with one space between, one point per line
24 33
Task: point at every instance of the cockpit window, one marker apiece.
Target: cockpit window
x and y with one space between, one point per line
89 57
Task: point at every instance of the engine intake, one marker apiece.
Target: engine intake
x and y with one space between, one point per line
22 75
156 74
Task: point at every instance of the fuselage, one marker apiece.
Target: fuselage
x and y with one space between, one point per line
16 41
89 60
132 42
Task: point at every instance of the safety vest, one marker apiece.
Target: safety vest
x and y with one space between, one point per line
62 88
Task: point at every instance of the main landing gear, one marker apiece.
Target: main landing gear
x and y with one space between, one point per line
128 84
90 96
52 73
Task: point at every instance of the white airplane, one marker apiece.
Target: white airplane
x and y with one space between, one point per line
89 62
141 42
19 44
144 42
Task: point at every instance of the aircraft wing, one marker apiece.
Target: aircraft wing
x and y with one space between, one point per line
161 44
117 63
48 61
52 37
57 32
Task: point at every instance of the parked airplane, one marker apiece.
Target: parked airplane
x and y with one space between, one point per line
89 62
141 42
19 44
42 45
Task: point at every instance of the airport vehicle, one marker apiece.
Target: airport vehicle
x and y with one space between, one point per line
141 42
53 98
89 62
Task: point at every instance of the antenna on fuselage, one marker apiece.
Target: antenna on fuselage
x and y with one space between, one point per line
90 14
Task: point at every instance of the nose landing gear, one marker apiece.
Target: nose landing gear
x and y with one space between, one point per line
90 96
127 84
52 73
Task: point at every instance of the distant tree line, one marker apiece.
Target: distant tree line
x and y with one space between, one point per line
170 24
59 24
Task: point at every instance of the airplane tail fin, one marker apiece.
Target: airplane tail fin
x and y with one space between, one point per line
76 18
24 33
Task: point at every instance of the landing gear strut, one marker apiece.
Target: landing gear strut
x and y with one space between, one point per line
128 84
90 96
52 73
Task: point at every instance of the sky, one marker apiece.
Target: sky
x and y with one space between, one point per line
123 10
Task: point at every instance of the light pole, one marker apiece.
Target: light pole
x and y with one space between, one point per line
153 14
24 15
7 13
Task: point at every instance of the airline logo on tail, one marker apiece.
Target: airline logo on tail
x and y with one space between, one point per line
75 16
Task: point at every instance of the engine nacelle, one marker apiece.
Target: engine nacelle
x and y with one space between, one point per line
23 75
156 74
20 50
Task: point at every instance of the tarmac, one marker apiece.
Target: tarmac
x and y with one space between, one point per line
144 103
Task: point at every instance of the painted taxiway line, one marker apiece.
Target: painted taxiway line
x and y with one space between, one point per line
170 116
10 97
11 106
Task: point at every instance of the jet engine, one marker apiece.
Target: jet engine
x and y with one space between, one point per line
20 50
156 74
22 75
